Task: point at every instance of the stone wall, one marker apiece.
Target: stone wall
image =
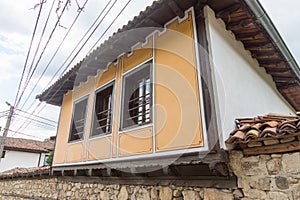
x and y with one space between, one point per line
56 188
275 176
262 177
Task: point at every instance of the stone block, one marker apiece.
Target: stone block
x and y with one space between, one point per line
165 193
255 194
214 194
190 194
291 163
123 195
281 183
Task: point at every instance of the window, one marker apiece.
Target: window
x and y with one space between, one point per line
103 112
45 160
137 97
3 154
78 121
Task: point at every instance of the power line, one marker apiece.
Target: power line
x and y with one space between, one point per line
83 46
35 120
45 47
33 136
27 57
37 116
39 43
73 51
56 51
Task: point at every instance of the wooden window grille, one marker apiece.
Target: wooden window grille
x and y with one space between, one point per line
103 112
137 100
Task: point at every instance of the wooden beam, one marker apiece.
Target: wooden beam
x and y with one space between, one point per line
176 9
152 23
239 24
258 46
206 79
279 148
228 10
185 181
247 36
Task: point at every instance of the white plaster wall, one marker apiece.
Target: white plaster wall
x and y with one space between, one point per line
242 88
15 159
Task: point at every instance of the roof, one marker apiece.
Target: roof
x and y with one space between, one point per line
246 19
25 172
26 145
272 130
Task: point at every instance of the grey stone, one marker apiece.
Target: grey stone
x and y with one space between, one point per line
123 195
238 193
104 195
165 193
142 194
273 166
214 194
177 193
190 195
261 183
291 163
154 193
281 182
255 194
278 196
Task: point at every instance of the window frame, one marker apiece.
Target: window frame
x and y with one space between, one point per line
97 90
127 74
85 97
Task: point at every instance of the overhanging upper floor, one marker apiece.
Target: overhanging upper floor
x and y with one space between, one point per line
246 19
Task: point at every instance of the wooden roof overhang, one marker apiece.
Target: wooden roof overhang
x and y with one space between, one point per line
246 19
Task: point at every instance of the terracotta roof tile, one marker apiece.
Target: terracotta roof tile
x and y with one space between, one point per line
271 125
21 144
21 172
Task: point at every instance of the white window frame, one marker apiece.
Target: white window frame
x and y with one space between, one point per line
99 89
134 70
86 97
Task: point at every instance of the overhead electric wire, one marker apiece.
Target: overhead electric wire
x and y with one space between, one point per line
28 53
39 43
40 124
37 116
45 47
81 49
74 50
35 120
16 132
56 51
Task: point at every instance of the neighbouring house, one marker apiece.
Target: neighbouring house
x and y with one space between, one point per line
162 94
24 153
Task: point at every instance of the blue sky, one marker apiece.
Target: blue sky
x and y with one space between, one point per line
16 27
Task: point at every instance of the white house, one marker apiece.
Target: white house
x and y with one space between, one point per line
19 152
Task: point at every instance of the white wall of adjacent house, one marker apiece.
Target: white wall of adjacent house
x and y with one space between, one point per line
13 159
241 87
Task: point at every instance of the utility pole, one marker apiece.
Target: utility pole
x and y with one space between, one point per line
5 131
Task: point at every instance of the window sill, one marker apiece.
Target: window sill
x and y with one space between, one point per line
133 128
94 137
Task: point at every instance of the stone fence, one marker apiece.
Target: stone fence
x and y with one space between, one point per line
258 177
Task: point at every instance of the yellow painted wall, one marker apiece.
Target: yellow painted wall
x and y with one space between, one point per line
177 105
99 148
63 129
136 142
178 118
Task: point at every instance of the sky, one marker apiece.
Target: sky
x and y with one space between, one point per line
17 22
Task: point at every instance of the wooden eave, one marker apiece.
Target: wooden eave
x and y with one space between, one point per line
238 18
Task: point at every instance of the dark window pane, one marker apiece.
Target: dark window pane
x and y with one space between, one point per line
78 122
137 98
103 112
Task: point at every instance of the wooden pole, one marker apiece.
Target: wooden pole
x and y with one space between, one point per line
5 132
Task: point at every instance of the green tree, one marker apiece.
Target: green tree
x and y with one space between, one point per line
50 158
